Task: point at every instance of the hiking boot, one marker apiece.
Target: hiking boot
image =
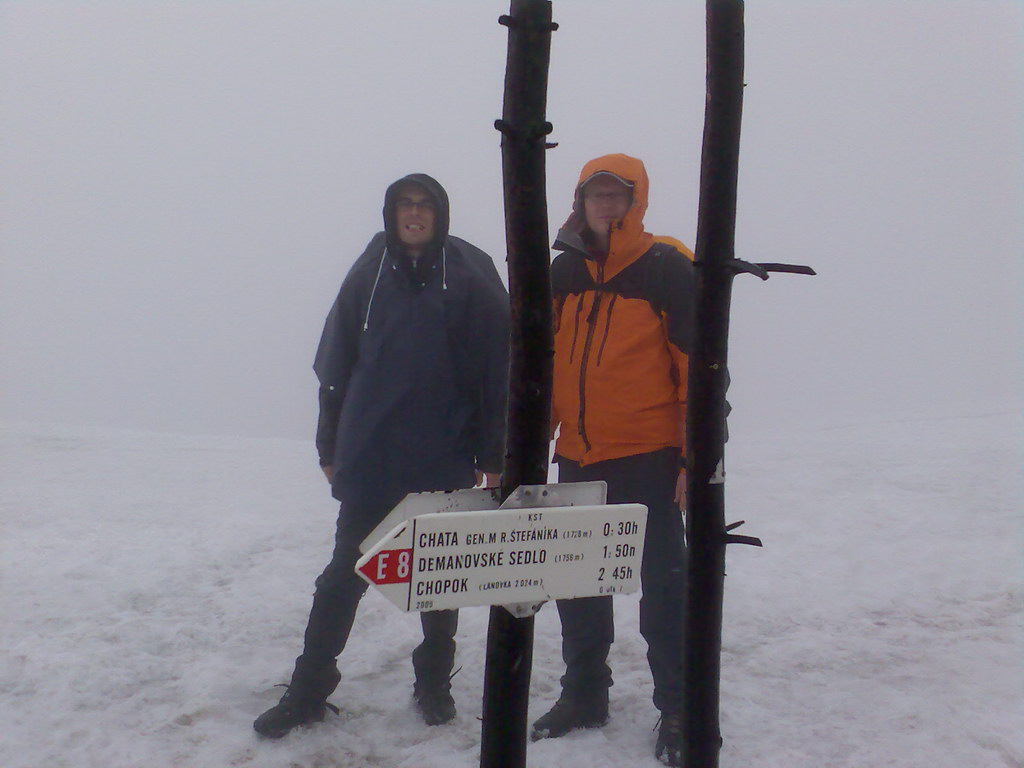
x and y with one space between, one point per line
570 713
435 707
291 712
669 749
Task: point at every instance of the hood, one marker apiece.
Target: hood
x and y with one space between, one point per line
441 219
628 239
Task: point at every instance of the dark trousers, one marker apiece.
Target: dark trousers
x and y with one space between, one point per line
337 595
588 627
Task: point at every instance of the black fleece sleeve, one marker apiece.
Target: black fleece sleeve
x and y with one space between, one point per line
677 286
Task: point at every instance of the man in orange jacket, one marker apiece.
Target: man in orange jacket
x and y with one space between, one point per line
623 324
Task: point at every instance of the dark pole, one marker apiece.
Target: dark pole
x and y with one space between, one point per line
706 531
708 380
523 128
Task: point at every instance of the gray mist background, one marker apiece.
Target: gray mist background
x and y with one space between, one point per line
184 185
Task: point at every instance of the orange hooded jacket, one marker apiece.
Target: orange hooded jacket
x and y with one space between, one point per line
623 323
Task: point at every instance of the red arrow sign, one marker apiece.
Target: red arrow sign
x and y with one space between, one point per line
389 566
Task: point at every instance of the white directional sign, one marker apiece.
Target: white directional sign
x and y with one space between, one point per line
477 499
495 557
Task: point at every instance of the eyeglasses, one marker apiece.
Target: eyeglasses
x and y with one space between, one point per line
406 204
608 197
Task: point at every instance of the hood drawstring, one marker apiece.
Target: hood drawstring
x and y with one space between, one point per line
366 320
380 270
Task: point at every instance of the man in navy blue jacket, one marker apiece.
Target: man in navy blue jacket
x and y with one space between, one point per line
413 371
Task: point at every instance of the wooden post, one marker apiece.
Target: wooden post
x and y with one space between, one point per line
523 127
708 380
706 531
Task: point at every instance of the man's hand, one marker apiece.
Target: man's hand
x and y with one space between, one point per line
328 472
680 497
488 479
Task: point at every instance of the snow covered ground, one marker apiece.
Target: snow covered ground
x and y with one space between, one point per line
155 588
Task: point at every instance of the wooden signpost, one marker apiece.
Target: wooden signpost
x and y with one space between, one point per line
527 553
716 265
524 132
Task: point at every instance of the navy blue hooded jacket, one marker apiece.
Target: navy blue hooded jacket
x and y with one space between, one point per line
413 365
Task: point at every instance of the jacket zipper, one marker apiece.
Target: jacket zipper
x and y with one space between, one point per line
585 357
607 328
576 328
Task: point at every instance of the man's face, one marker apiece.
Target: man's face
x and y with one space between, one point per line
414 216
605 201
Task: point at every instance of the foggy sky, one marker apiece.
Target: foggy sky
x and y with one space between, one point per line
183 186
